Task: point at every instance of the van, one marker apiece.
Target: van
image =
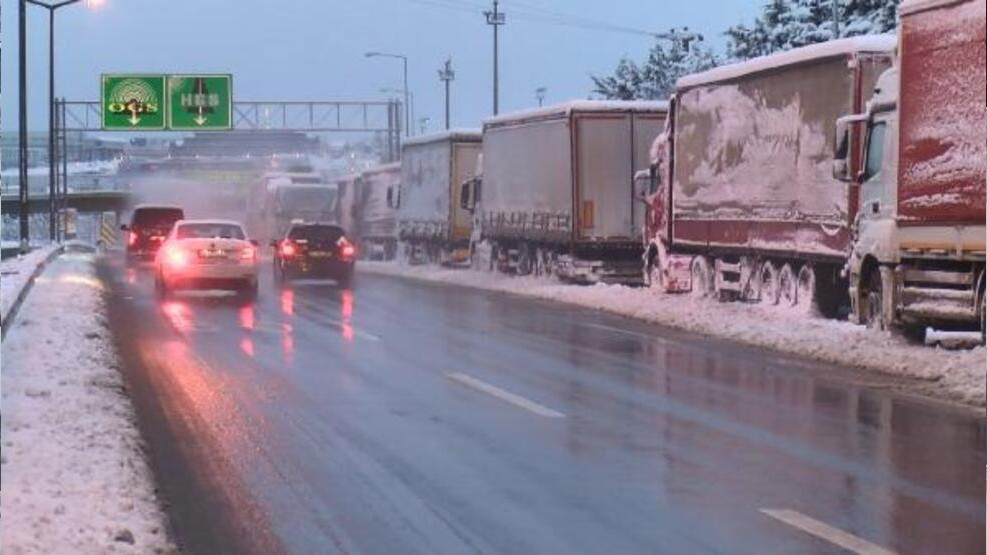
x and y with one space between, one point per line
148 227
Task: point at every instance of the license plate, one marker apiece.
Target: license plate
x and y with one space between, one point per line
212 253
320 254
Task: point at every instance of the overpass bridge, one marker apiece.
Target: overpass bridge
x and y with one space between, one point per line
83 201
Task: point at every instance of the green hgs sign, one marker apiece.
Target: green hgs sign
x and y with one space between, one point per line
142 102
134 102
199 102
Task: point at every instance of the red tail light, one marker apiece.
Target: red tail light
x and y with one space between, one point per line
288 249
248 254
176 257
347 250
132 238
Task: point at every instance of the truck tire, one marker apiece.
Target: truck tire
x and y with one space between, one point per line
767 277
787 286
872 311
983 319
701 277
525 260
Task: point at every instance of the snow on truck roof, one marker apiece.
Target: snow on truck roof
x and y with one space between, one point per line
392 166
567 108
468 135
908 7
829 49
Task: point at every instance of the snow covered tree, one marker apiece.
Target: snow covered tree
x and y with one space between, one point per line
785 24
655 79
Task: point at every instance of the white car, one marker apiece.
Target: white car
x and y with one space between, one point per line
207 254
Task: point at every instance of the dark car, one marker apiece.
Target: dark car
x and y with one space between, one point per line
148 228
314 250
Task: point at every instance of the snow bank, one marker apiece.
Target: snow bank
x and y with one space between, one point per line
945 374
74 477
16 274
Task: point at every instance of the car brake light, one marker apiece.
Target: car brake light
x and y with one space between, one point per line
346 249
248 254
176 257
288 249
132 238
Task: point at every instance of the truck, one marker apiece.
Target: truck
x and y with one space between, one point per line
917 257
432 224
557 193
377 190
288 197
742 204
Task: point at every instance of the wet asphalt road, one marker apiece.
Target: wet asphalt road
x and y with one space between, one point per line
403 417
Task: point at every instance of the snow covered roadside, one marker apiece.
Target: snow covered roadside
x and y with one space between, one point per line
74 476
16 274
952 375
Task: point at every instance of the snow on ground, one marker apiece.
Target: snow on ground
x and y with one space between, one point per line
955 375
74 477
15 273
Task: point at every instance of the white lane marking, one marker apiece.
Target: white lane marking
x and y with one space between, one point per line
507 396
618 330
822 530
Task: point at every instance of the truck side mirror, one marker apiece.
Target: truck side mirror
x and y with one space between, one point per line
124 227
841 171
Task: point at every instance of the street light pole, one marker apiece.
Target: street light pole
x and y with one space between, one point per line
495 19
407 95
52 162
447 75
22 122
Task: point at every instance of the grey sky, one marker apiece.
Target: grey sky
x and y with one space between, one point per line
313 49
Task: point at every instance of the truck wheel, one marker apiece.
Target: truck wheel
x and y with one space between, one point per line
525 260
806 289
767 277
872 313
983 319
787 286
702 278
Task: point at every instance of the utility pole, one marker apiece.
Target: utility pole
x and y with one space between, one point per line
447 75
540 95
836 19
495 19
22 123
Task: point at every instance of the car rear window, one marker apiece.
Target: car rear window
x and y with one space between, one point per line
316 232
156 217
210 231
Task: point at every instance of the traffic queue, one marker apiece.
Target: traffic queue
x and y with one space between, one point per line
838 178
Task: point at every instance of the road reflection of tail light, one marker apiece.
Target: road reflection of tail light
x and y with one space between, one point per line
346 308
247 318
288 302
178 315
247 346
347 250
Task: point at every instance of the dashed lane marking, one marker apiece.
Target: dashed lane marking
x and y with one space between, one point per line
826 532
505 395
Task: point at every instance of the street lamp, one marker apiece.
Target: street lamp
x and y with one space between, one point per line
52 7
404 59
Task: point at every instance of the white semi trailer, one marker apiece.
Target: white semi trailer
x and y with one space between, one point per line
557 194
